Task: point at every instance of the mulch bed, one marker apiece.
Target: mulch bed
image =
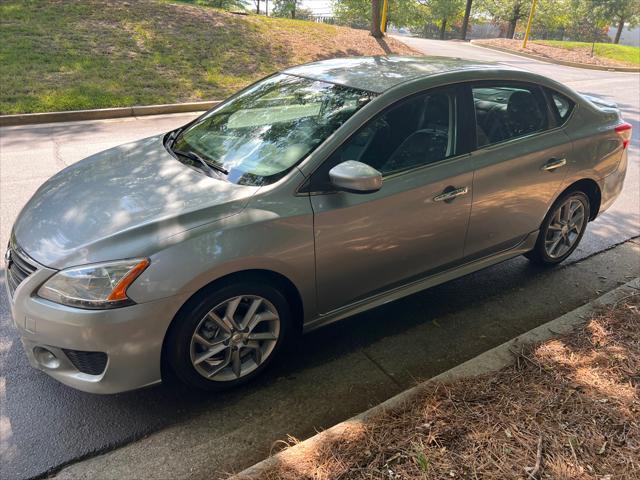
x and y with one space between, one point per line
577 55
568 408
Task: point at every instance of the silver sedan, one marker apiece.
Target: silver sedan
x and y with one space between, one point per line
316 193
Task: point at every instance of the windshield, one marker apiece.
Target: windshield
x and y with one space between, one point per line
262 133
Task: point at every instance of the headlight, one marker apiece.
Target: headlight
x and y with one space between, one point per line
102 285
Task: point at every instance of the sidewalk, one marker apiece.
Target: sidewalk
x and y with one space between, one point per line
335 375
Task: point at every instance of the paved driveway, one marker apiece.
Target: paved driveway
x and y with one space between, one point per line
333 373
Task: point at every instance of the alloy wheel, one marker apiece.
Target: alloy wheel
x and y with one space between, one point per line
234 338
565 228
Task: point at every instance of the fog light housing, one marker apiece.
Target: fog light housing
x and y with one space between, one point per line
46 358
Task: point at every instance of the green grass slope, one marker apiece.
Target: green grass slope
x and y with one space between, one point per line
66 54
620 53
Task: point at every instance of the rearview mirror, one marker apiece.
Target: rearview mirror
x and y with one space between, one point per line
356 177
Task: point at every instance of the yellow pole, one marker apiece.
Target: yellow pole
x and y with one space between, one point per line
526 33
383 20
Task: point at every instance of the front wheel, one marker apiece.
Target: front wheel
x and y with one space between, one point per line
228 337
562 229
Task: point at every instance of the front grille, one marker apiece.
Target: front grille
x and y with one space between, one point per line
92 363
18 268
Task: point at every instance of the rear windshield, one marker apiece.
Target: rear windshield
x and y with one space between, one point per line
262 133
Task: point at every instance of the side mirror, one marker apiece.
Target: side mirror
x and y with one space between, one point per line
356 177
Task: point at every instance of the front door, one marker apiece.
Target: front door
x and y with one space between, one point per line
415 224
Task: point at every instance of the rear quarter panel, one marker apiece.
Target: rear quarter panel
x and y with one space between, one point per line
597 149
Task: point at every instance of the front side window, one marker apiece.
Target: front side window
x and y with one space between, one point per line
262 133
504 112
417 132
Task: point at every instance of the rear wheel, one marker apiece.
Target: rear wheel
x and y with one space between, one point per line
228 337
562 229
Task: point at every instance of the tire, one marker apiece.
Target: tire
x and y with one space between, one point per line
544 252
189 355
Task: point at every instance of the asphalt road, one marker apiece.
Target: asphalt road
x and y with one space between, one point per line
333 373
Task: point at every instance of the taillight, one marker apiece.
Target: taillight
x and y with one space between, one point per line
624 130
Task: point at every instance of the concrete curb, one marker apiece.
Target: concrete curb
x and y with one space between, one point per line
490 361
558 62
103 113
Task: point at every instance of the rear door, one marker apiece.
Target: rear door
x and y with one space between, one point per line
369 243
520 162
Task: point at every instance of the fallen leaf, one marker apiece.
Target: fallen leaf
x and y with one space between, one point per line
602 449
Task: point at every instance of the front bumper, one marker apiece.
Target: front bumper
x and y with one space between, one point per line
130 336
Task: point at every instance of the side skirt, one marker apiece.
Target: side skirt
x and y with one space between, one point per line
405 290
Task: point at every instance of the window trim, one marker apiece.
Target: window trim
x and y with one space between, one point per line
537 90
461 127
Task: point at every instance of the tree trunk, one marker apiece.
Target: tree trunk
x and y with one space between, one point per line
443 28
511 31
619 32
513 21
375 19
465 20
258 7
293 9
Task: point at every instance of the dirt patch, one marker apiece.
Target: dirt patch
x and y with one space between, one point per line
575 55
329 41
569 408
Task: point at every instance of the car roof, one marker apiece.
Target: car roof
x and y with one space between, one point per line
377 74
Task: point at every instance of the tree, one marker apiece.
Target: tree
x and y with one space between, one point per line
408 13
510 11
465 21
357 13
552 18
591 20
619 12
444 11
286 8
376 5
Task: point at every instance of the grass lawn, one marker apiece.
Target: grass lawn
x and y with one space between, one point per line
66 54
621 53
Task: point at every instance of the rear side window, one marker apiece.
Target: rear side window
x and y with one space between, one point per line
561 106
506 111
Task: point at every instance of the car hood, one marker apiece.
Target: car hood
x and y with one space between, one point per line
125 202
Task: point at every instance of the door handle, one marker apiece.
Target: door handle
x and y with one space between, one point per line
448 195
554 163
